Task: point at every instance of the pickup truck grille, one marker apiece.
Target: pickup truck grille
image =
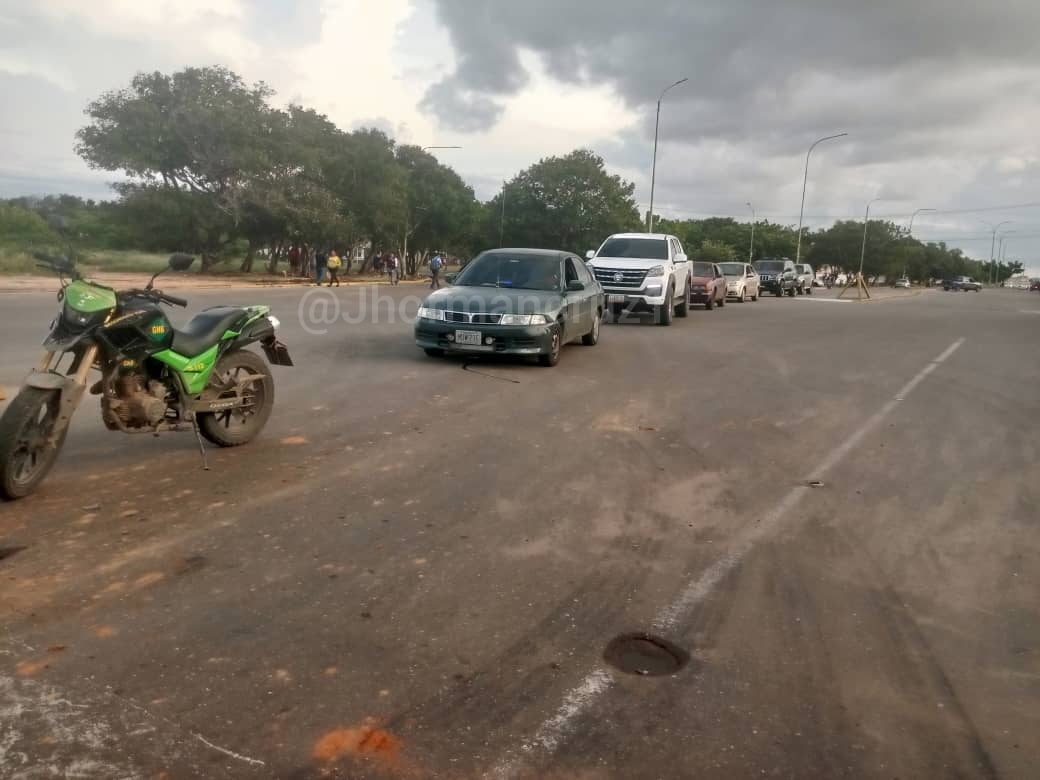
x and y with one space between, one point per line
620 278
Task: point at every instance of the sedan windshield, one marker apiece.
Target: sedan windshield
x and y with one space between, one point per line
703 269
518 272
641 248
732 269
769 266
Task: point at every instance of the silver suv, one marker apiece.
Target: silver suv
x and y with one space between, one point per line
805 275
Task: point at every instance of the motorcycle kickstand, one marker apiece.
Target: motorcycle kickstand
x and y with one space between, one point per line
202 446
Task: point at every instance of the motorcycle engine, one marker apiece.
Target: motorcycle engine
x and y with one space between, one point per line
137 402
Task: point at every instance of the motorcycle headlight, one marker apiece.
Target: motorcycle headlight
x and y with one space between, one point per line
427 313
275 322
657 270
523 319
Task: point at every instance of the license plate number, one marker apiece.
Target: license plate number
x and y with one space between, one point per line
468 337
615 299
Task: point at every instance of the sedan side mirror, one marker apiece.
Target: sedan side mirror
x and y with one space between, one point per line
590 254
575 286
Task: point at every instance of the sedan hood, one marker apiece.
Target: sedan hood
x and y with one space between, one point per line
496 300
702 279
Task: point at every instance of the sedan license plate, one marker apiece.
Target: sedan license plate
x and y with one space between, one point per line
615 299
468 337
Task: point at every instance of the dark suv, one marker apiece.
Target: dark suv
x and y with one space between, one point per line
777 275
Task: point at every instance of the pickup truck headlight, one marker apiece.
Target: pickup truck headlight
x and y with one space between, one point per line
426 313
523 319
657 270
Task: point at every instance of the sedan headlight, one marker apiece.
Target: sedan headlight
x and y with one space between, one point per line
657 270
426 313
523 319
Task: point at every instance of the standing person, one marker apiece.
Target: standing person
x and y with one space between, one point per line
294 260
436 263
377 264
334 264
321 260
395 269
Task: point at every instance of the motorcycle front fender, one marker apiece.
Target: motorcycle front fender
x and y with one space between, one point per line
71 388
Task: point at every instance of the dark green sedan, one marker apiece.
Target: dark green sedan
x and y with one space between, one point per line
513 302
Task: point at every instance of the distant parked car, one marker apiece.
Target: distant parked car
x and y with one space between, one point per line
741 281
707 285
777 275
804 274
902 284
1034 284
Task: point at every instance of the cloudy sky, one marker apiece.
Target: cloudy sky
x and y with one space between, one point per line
940 98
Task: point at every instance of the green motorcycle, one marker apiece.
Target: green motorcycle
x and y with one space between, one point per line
154 377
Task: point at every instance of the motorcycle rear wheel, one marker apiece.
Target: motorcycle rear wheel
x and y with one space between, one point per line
25 456
240 425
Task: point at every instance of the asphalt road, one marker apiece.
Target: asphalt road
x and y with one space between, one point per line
417 568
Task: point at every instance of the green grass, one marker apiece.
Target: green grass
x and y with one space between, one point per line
126 261
15 262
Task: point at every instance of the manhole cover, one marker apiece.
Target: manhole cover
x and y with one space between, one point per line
645 654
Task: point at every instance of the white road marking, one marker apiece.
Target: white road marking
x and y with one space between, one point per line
826 300
226 752
581 698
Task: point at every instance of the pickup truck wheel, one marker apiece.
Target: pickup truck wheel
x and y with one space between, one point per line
683 309
665 311
779 293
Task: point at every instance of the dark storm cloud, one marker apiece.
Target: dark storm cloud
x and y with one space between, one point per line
788 61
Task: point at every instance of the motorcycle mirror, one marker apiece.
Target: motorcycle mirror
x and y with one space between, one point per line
181 261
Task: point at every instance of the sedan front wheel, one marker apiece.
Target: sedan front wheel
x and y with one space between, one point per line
552 357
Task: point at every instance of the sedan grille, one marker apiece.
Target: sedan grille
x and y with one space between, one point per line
620 278
479 318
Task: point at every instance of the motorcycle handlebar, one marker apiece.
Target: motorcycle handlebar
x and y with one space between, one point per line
173 299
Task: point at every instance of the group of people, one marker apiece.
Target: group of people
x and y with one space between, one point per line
390 264
327 264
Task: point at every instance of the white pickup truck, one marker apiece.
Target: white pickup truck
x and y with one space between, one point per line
643 271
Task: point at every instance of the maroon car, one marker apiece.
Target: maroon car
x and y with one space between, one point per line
708 285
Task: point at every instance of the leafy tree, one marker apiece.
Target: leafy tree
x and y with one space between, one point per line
568 202
201 130
714 252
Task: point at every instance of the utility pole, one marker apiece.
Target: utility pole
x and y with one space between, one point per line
751 250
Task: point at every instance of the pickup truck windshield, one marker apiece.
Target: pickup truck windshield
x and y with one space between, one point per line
769 266
732 269
636 248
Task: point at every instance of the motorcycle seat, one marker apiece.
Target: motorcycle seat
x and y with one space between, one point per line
205 329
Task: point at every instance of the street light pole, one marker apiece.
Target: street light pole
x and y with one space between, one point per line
993 241
910 230
805 181
653 167
751 251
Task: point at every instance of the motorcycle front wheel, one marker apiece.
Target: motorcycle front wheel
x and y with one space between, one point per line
25 454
